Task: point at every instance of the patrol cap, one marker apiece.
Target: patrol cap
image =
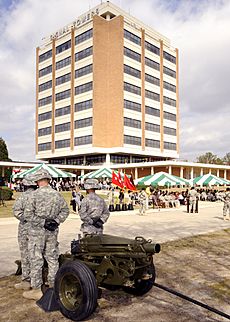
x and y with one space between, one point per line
28 182
91 184
41 174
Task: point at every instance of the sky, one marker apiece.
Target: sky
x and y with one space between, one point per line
200 29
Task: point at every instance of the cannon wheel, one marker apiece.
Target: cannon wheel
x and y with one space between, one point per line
141 287
76 290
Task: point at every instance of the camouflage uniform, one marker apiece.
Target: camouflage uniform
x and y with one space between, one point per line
142 199
21 210
92 209
47 204
192 199
226 208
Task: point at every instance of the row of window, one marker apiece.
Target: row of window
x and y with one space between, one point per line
170 87
132 88
83 71
169 131
66 45
152 95
132 71
62 95
45 71
63 63
84 36
130 36
132 123
78 56
62 111
60 144
151 79
83 88
62 127
45 86
132 106
83 105
44 131
83 123
63 79
152 48
134 140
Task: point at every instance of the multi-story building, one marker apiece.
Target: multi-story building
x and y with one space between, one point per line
107 91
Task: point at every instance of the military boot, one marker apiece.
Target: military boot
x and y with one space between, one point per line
23 285
34 294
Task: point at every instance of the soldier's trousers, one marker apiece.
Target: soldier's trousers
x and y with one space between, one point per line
23 247
142 209
226 209
43 244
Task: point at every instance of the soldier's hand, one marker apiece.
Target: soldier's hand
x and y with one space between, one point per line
98 223
51 224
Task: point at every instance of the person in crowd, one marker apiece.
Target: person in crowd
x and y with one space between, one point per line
93 212
76 199
142 197
226 208
20 209
193 195
48 210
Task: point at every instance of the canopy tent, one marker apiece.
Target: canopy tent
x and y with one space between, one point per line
101 173
209 180
161 179
53 171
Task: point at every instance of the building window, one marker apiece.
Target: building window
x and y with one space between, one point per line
130 36
170 87
83 71
83 105
45 71
132 54
63 79
132 123
132 71
169 72
152 95
151 79
44 131
169 131
151 63
132 88
169 101
169 57
152 143
138 159
133 140
62 95
152 48
60 144
57 161
63 63
83 123
44 116
84 36
95 159
152 111
62 111
83 53
44 146
83 88
45 101
45 56
45 86
76 161
66 45
170 116
132 106
83 140
169 146
119 158
62 127
152 127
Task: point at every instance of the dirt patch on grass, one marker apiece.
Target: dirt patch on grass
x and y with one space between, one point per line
197 266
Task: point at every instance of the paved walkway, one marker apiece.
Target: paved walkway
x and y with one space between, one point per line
160 226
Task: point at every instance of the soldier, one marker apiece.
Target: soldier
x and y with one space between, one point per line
226 208
21 209
49 210
142 199
192 199
94 211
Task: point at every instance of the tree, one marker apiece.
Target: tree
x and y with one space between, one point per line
4 156
209 158
226 158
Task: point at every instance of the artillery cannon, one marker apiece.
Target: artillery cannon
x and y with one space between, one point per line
102 261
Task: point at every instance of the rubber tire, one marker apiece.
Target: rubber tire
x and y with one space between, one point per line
144 286
79 272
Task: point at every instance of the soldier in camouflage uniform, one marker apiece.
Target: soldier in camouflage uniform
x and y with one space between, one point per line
49 210
142 197
21 209
226 208
94 211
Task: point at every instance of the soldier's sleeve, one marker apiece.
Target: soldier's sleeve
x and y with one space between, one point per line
18 209
83 212
105 214
64 211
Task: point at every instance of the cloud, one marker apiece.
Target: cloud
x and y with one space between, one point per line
200 29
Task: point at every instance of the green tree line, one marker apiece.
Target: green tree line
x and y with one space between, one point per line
211 158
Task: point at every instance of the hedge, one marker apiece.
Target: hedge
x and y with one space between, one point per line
6 193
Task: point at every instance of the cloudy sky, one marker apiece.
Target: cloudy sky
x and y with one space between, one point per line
199 28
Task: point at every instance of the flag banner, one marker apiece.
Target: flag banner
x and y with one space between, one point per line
116 179
128 184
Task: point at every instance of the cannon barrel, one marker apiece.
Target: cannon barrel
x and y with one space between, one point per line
152 248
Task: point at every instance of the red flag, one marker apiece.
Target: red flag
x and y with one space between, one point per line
128 184
116 179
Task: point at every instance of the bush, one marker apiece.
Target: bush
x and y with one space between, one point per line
6 193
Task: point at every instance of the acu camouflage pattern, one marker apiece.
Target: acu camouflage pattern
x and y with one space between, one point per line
22 209
47 204
142 197
93 208
226 208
